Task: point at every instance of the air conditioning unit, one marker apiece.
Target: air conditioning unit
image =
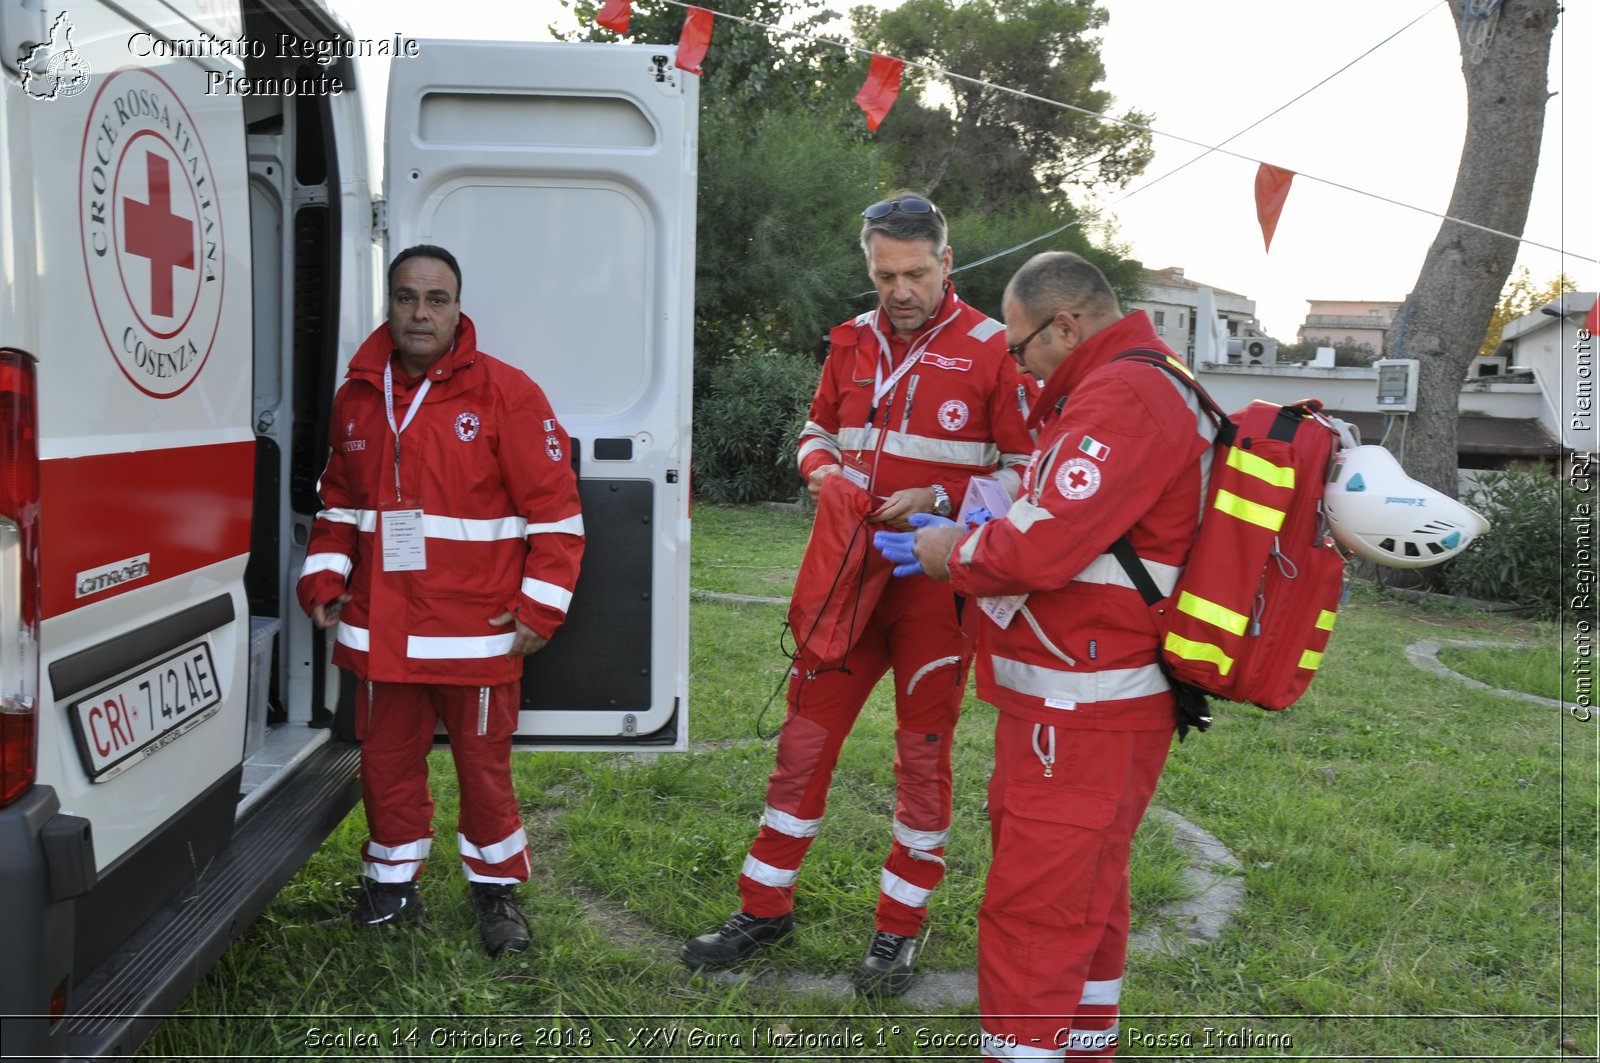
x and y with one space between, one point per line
1259 350
1161 330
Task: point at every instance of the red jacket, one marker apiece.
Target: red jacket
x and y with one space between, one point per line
1127 453
491 468
956 412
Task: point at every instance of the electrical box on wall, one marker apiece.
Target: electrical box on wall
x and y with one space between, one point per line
1397 384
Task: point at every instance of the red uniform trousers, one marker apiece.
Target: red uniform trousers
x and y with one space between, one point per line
914 630
396 723
1053 926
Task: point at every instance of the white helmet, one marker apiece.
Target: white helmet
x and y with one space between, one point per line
1378 512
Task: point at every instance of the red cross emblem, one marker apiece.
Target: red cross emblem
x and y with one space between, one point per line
1077 478
157 234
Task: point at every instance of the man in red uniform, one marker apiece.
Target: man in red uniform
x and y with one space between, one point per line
446 552
916 397
1086 716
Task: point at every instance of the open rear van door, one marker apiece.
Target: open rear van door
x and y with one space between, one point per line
562 177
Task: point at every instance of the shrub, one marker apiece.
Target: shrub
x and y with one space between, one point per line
747 420
1520 560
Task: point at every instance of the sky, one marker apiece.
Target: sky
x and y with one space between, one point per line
1390 126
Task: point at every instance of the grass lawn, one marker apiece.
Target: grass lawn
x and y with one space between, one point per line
1418 856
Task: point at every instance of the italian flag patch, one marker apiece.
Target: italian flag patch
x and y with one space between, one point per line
1094 448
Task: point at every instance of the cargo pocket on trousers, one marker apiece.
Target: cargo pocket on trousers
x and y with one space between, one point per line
1048 855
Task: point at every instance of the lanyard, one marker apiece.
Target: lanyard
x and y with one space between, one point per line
388 408
884 387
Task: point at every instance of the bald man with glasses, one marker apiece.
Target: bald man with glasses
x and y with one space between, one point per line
917 396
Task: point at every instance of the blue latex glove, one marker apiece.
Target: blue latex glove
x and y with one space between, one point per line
900 547
978 515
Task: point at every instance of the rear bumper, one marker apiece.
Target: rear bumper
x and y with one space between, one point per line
114 1008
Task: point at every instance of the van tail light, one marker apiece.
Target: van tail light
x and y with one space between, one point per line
19 574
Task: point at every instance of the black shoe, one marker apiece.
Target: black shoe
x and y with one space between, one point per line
886 970
386 904
500 921
737 938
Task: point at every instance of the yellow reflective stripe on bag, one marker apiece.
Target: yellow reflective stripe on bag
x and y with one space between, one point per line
1248 511
1262 469
1212 613
1190 650
1310 660
1325 620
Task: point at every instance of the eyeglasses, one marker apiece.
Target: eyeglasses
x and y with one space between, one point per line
1016 349
907 205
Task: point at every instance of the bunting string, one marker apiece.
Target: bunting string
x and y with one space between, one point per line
1207 149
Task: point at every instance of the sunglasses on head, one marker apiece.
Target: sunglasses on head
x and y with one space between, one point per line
907 205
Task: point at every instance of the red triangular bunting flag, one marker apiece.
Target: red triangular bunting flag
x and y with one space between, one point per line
614 15
1272 189
881 88
695 40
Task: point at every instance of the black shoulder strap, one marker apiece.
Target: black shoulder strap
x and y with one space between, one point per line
1122 549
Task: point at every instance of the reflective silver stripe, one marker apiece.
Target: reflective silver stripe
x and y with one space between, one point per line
969 545
326 563
1023 515
1108 571
858 438
1092 1040
897 888
815 431
572 525
392 872
547 594
1102 993
814 446
1044 640
417 850
465 530
357 638
500 851
930 666
1085 688
985 328
944 451
457 648
1004 1049
920 839
768 875
793 826
349 516
1009 478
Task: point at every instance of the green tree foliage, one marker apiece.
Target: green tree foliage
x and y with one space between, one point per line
747 420
988 148
975 236
1520 559
1522 296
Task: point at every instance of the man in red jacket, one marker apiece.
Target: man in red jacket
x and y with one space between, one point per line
916 398
1086 716
446 551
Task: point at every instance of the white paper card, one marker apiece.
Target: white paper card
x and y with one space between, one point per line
985 492
855 476
404 544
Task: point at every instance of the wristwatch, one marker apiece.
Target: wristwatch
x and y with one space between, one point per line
941 500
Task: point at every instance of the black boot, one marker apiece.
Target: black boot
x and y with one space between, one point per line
887 968
500 921
386 904
734 940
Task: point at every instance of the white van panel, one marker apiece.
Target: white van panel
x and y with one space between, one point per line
144 395
563 178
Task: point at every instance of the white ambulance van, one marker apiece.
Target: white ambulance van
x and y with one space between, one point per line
192 247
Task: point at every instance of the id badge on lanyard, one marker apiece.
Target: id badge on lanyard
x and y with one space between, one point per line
404 543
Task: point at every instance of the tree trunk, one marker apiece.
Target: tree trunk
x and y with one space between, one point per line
1447 314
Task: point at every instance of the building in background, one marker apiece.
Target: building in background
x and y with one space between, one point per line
1350 322
1544 346
1171 300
